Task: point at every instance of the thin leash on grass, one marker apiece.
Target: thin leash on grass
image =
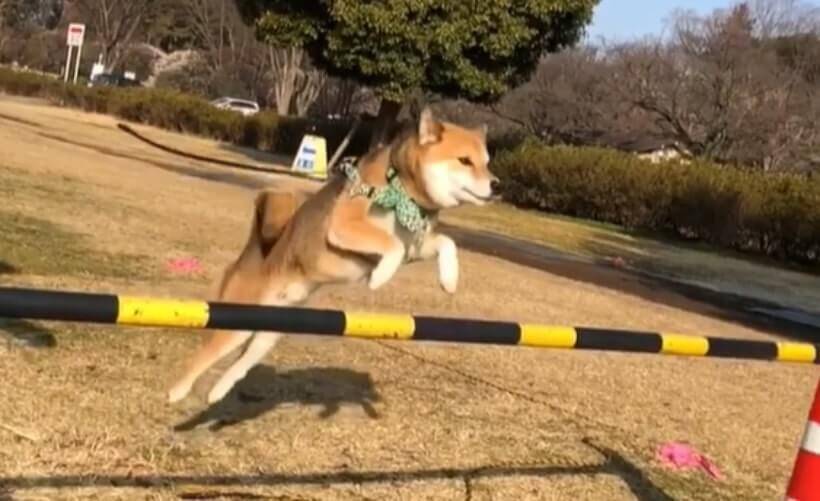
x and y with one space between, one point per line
218 161
490 384
594 423
20 433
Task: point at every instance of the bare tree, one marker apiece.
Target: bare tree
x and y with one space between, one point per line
34 15
718 88
284 68
115 24
292 84
4 24
776 18
338 97
570 100
24 19
737 85
219 32
237 62
309 84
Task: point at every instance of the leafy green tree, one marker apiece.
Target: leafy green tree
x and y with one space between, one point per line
475 50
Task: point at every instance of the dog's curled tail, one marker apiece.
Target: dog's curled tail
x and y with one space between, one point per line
272 211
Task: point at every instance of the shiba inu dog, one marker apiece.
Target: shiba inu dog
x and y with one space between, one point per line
362 224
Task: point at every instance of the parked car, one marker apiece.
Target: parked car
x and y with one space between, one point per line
112 80
244 106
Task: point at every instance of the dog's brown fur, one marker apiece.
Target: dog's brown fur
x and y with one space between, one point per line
299 241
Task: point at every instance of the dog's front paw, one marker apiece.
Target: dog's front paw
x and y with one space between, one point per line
448 278
448 265
386 268
377 280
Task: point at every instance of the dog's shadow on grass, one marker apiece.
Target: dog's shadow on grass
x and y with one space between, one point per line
25 333
7 268
264 390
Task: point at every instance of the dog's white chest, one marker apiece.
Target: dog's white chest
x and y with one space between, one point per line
386 220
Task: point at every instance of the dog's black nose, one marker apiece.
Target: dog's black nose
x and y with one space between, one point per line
495 185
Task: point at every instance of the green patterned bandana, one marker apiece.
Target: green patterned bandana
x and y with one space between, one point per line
393 197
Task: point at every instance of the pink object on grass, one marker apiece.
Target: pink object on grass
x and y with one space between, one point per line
184 265
616 261
682 456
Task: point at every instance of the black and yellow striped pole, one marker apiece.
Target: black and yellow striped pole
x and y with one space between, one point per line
155 312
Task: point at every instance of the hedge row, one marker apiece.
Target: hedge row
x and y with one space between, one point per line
180 112
776 215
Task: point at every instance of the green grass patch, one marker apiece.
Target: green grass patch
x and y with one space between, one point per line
37 246
694 262
773 215
593 239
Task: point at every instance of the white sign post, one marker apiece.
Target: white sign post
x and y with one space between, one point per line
75 38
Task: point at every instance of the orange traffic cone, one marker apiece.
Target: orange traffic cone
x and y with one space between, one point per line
805 482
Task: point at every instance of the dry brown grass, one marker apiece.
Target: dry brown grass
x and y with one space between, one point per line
340 419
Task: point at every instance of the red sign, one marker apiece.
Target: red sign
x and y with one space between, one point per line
76 34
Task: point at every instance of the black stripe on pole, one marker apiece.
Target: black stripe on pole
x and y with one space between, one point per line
104 308
282 319
618 340
734 348
64 306
466 331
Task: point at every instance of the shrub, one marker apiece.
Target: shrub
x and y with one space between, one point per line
777 215
192 78
260 131
506 139
163 108
27 84
178 111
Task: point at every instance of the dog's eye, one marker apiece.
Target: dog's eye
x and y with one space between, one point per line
465 161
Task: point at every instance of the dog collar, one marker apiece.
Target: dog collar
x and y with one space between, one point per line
392 196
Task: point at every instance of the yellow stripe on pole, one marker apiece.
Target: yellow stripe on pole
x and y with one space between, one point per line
676 344
545 336
796 352
373 325
162 312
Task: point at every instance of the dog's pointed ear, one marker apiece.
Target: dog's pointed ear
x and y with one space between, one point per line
429 127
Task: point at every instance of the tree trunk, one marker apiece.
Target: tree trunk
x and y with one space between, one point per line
283 93
285 65
385 120
310 83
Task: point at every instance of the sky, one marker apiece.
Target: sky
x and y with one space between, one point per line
620 20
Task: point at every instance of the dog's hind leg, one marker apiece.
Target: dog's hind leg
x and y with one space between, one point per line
234 286
218 346
261 343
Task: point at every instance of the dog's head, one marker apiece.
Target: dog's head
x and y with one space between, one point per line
452 163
